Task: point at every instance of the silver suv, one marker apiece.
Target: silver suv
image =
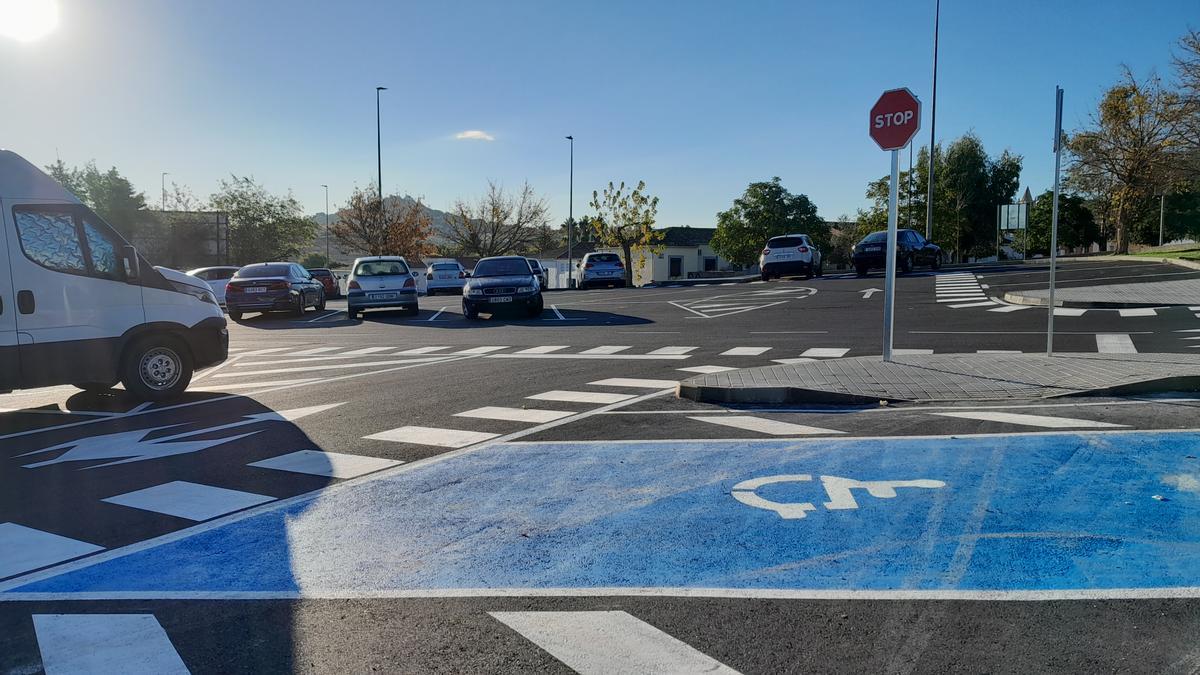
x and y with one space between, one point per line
601 269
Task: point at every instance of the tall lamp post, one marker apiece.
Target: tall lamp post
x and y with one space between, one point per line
326 224
937 14
162 204
571 219
379 148
1162 207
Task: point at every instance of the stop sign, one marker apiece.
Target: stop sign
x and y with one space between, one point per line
895 119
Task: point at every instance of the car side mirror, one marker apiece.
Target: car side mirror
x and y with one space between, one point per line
133 268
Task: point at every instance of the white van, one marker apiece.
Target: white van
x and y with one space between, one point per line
79 306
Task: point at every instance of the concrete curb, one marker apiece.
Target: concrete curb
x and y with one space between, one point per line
1018 298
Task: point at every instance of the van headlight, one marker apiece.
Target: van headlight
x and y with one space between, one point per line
201 294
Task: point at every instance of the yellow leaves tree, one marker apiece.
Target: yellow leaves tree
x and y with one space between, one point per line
625 219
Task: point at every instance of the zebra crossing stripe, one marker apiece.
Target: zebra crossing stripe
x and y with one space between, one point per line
765 426
444 438
603 642
673 350
105 643
1115 343
1043 421
532 415
746 351
1010 308
985 303
826 352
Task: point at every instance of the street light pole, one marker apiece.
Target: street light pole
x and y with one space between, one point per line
937 14
1162 206
326 224
379 148
571 219
162 205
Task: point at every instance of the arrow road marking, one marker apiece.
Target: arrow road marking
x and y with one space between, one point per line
867 293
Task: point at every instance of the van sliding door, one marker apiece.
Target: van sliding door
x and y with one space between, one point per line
9 364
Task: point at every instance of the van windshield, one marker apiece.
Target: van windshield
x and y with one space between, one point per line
381 268
262 271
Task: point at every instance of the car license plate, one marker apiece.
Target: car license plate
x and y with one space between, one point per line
382 296
256 289
606 274
872 248
783 256
500 299
445 276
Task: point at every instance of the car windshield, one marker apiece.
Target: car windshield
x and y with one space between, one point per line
256 271
502 267
604 258
875 238
785 242
380 268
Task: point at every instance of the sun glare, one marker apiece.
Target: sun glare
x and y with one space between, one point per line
27 20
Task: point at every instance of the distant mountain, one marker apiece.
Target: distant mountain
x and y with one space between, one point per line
437 219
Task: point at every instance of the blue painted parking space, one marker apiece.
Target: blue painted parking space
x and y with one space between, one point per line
1012 512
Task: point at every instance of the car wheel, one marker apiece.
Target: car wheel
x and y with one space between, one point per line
156 368
808 273
298 310
821 268
321 303
469 312
906 264
861 270
352 314
765 277
936 264
235 315
412 311
535 310
94 387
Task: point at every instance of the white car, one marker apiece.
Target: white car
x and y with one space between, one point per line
89 310
445 276
216 277
790 254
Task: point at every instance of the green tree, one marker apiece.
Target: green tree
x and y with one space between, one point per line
1133 146
108 193
625 219
1076 223
314 260
262 226
766 209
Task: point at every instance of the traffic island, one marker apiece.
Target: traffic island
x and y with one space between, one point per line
1113 296
948 377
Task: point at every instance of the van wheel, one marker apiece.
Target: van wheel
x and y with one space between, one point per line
157 368
94 387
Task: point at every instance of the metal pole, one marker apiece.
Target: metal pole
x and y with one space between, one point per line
571 219
889 281
163 193
937 13
1162 205
1058 101
326 224
379 150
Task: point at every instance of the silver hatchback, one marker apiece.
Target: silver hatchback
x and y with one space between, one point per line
601 269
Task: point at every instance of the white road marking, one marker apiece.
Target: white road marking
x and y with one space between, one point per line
192 501
366 350
481 350
316 350
329 464
439 313
978 296
604 642
446 438
826 352
1194 308
997 351
600 357
544 349
746 351
23 549
605 349
105 643
326 315
420 350
705 370
765 426
985 303
270 350
1011 308
672 350
635 383
1068 311
331 366
252 385
580 396
1114 343
912 352
788 362
532 415
1137 311
1043 421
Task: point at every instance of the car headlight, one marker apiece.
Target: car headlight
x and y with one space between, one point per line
201 294
525 289
475 291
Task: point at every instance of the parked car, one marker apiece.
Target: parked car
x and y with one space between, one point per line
381 282
329 280
601 269
273 287
499 283
216 278
791 254
445 276
538 271
912 249
90 310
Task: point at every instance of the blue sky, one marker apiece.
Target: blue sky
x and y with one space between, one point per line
698 99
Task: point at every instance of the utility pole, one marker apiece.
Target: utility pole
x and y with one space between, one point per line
379 151
571 219
1058 102
326 224
937 13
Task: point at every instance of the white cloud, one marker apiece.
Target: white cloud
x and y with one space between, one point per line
474 135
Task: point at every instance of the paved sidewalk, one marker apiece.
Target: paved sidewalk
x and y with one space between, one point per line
948 377
1149 294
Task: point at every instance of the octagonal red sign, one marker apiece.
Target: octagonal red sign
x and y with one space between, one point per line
895 119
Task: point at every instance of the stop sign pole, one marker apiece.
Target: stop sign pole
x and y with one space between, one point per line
895 119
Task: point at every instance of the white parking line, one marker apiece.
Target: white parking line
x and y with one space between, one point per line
331 366
420 350
482 350
605 349
367 350
1068 311
912 352
1115 343
544 349
580 396
746 351
323 316
135 644
314 350
1043 421
445 438
603 642
532 415
765 426
436 315
672 350
635 383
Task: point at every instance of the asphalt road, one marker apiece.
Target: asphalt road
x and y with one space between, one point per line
341 495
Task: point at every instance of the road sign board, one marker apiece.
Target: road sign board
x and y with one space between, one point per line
895 119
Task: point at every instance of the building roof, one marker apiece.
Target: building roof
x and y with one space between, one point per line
687 236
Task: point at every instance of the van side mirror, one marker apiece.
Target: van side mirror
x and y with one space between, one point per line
133 269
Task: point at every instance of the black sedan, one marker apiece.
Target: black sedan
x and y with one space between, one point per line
912 249
273 287
502 283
